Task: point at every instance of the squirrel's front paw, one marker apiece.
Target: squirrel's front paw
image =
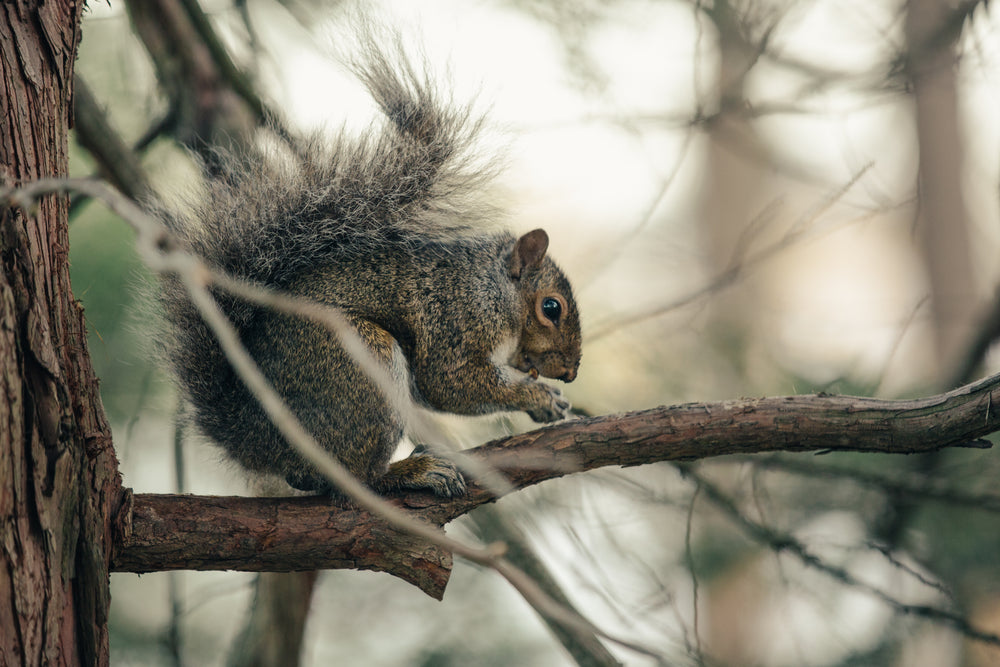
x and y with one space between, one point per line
552 405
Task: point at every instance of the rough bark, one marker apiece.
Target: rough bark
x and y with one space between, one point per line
210 533
168 532
58 473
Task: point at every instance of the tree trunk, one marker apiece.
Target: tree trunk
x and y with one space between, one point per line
932 31
276 623
59 480
734 186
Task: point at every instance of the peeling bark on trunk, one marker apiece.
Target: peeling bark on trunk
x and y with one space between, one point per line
58 473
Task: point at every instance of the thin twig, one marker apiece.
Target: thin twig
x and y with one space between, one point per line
785 543
799 232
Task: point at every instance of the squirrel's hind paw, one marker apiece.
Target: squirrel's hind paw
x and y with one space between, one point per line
304 481
425 471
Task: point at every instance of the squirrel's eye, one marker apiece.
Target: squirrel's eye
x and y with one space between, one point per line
552 309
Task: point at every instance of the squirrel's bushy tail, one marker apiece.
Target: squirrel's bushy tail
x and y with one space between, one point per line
268 214
272 213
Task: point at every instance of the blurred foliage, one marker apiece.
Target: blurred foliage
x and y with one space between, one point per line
108 279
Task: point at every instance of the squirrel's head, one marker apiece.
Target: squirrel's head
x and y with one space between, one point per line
550 338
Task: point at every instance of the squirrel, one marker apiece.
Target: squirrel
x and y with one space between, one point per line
391 229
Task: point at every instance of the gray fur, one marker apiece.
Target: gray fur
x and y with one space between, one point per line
388 227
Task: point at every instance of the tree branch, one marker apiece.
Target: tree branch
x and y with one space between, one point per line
164 532
186 532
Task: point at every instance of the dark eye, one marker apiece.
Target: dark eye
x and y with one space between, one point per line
552 309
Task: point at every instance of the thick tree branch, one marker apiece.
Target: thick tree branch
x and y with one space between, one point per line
162 532
185 532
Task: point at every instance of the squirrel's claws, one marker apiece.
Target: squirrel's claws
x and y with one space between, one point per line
451 485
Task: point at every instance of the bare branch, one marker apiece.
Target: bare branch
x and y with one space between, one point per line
805 228
322 535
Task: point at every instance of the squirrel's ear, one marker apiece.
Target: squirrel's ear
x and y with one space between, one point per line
529 250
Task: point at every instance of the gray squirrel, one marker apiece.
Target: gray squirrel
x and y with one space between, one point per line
392 228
